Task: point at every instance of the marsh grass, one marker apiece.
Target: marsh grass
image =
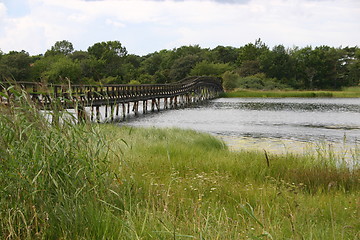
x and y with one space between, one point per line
91 181
48 173
346 93
204 188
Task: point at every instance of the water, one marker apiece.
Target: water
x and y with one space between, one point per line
267 123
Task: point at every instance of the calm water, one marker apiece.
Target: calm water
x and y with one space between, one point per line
251 121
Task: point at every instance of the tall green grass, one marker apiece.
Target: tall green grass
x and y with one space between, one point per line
91 181
54 178
191 185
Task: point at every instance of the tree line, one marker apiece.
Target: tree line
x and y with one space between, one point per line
253 65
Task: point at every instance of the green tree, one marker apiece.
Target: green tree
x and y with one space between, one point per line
326 62
108 51
112 53
248 68
277 64
79 55
16 66
222 54
133 59
161 76
59 69
320 68
252 52
305 67
146 79
188 50
131 67
171 57
249 58
152 63
92 69
182 67
205 68
351 64
63 47
43 65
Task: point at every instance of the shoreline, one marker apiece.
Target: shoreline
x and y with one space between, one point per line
342 151
289 94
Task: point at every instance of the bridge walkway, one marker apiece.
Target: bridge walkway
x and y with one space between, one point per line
115 96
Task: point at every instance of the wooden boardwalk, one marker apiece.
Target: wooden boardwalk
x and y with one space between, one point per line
113 97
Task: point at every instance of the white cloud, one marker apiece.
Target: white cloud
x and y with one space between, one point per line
145 26
115 23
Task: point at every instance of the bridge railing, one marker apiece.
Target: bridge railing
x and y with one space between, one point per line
46 94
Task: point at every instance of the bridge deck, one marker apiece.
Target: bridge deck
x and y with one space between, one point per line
191 89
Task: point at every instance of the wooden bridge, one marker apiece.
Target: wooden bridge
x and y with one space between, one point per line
128 98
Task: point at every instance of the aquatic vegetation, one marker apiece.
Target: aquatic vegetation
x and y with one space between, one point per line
103 181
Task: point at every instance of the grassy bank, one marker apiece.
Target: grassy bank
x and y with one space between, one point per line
351 93
109 182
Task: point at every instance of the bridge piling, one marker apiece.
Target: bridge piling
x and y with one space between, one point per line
98 116
157 104
92 113
123 111
162 96
117 109
165 103
144 107
112 112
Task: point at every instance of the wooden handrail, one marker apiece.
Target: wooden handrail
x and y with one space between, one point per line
90 95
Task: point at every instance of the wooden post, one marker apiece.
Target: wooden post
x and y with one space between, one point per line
98 116
171 102
153 105
117 109
158 105
136 108
112 112
144 106
175 101
124 111
165 103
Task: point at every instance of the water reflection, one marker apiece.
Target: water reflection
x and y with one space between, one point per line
294 105
267 119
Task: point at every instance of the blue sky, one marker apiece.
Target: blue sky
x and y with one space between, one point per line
145 26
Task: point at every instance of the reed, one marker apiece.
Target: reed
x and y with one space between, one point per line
91 181
48 173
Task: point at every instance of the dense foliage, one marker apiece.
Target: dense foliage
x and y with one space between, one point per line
253 66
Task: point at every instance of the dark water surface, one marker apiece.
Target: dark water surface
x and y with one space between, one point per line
300 119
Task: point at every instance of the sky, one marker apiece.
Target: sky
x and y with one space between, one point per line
146 26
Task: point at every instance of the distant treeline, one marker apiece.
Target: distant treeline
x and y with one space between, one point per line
254 65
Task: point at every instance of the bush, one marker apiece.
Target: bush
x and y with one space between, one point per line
111 80
134 82
230 80
258 81
205 68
